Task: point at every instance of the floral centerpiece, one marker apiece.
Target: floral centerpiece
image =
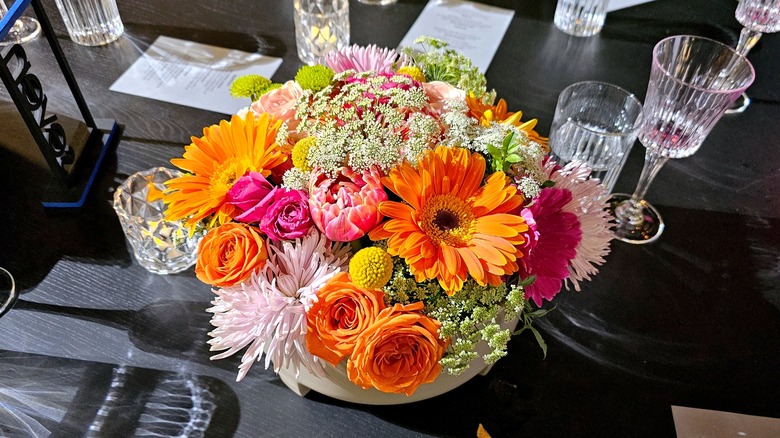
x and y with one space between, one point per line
383 211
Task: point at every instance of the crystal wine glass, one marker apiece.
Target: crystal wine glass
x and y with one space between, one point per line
693 81
756 17
23 30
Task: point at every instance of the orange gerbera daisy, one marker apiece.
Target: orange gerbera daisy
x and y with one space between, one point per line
451 226
225 153
486 114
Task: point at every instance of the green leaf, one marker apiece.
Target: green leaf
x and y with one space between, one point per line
527 281
513 158
494 151
540 341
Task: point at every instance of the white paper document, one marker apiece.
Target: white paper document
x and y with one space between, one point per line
614 5
192 74
474 29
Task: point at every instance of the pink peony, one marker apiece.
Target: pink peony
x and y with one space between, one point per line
286 215
248 191
280 103
558 233
440 92
347 207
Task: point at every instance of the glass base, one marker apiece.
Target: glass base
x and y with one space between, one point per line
646 231
25 29
740 105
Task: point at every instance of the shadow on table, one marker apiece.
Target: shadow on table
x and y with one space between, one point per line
691 320
33 239
47 396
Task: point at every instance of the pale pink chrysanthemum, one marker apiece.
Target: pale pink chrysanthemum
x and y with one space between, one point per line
362 59
558 233
268 312
589 203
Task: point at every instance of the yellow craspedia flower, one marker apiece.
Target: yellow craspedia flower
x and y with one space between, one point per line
412 71
371 268
300 153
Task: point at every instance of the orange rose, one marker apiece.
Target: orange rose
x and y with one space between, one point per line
229 254
398 352
342 311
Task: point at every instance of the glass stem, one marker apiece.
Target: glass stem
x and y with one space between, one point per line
630 211
747 39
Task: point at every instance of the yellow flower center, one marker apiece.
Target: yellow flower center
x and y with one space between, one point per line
228 172
300 153
371 268
448 219
414 72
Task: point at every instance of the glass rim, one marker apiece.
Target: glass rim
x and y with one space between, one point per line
13 294
629 95
666 72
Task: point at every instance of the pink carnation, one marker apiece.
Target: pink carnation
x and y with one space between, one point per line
347 207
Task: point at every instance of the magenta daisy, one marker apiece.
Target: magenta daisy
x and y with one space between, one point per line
558 234
362 59
589 203
268 312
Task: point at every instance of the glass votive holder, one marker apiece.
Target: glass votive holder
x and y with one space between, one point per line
91 22
377 2
580 18
596 123
321 26
161 246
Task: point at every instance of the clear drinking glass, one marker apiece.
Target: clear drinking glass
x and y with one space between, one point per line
159 245
321 26
756 17
693 81
580 18
91 22
596 123
25 29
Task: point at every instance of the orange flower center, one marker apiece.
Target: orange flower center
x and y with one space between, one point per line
227 172
448 219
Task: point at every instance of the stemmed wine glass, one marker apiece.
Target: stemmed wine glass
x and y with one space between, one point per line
23 30
692 82
756 17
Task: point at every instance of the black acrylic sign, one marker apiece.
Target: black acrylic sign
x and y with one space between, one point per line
73 150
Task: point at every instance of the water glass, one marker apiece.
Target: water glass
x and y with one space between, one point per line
581 18
321 26
91 22
161 246
596 123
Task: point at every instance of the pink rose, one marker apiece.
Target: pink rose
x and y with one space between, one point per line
346 208
248 191
439 92
280 103
287 215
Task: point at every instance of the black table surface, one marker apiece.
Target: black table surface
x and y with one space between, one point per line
99 346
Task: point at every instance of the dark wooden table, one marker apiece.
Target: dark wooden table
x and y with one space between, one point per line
100 347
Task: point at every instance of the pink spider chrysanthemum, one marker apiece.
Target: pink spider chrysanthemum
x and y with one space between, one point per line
589 204
268 312
362 59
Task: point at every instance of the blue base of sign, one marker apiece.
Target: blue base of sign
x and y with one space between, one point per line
74 197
